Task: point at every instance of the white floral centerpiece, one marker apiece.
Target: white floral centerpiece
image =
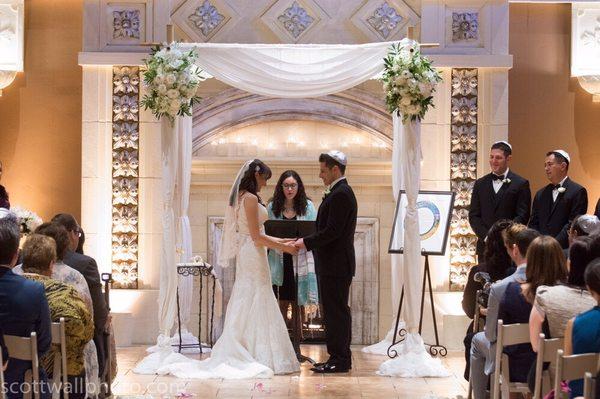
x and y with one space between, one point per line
409 80
28 220
172 79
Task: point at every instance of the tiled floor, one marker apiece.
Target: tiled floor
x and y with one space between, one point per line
361 382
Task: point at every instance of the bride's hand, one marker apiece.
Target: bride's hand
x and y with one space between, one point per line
290 248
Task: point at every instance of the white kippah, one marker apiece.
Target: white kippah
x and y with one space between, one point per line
589 223
564 154
503 142
338 156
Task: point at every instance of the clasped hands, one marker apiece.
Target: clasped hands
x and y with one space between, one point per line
292 246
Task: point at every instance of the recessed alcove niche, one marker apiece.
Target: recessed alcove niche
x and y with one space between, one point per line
290 134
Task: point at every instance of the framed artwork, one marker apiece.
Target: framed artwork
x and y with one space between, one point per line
435 211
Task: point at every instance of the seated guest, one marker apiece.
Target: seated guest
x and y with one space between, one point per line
498 265
39 255
88 267
72 277
583 332
555 306
23 306
483 347
545 267
584 225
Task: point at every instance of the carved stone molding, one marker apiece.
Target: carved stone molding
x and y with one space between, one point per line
125 173
354 107
364 291
463 172
204 20
293 21
384 20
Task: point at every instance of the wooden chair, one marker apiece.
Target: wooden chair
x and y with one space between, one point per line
589 386
23 348
547 349
510 334
476 328
60 360
573 367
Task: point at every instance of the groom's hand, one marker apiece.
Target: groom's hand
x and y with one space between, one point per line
300 244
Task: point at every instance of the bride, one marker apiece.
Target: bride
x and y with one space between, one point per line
255 342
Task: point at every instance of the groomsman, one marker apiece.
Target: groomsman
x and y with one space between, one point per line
556 205
501 194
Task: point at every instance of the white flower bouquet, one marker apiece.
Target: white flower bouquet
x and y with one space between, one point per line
172 79
28 220
409 80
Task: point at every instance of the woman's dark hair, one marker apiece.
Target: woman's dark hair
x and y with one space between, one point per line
545 265
592 276
496 259
59 234
300 200
248 182
580 255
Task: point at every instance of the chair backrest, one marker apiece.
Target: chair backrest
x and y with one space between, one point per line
589 386
60 374
547 349
574 367
510 334
1 375
24 348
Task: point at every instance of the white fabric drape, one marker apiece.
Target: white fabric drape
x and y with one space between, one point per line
296 71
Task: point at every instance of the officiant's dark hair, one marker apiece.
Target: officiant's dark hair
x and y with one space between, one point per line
502 146
330 162
300 200
248 182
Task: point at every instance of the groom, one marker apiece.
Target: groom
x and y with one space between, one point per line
333 248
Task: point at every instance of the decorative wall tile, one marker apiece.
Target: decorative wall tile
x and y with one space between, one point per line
465 26
463 173
11 35
384 20
292 20
202 20
126 24
295 19
125 172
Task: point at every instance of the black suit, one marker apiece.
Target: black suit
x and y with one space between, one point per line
597 213
333 248
554 217
87 266
512 202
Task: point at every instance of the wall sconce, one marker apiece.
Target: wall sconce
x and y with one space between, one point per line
11 40
585 46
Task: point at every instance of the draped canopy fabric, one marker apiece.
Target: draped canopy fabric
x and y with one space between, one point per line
287 71
293 71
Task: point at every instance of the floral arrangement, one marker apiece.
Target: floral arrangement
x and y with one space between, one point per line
28 220
172 79
409 80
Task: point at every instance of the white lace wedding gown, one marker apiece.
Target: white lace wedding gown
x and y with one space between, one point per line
255 342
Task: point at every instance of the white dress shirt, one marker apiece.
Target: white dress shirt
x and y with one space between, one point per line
497 184
555 191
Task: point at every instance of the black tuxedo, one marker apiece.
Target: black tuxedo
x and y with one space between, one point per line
597 213
333 248
512 202
87 266
554 217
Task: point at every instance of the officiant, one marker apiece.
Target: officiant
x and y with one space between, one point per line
290 202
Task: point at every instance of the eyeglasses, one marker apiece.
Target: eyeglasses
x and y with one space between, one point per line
78 232
292 186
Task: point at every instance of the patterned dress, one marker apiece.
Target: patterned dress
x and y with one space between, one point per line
64 301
